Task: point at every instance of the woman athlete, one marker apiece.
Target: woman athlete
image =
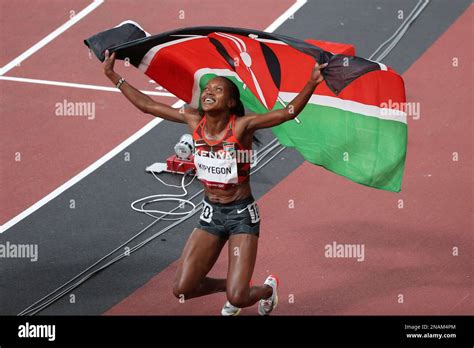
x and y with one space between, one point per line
229 213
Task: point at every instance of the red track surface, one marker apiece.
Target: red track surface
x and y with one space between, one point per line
26 28
407 251
55 149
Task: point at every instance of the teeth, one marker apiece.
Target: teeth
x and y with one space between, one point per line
209 100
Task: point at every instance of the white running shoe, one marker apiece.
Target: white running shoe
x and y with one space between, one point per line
265 307
230 310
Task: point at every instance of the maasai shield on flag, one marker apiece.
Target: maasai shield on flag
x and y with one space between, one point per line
353 125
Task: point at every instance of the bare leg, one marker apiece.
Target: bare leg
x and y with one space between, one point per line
199 255
242 256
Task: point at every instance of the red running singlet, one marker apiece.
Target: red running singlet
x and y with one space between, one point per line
221 164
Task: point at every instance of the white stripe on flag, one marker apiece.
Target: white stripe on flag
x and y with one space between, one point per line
352 106
382 66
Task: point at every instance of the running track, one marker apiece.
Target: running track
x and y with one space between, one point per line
408 251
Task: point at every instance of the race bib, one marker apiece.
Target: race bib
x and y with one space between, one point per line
206 214
216 168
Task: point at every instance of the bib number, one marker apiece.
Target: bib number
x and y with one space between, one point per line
254 213
206 214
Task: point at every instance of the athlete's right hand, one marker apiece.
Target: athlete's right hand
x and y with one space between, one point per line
109 62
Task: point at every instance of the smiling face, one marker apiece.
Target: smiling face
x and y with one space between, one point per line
216 96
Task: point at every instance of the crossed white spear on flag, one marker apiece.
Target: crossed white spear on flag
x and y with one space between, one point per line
247 60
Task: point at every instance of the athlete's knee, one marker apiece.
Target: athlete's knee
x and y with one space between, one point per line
182 290
238 296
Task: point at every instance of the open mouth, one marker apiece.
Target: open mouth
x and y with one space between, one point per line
209 100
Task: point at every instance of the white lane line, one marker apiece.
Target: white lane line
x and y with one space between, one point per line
279 21
86 171
287 14
51 36
77 85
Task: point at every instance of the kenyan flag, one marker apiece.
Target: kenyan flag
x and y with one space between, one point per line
352 124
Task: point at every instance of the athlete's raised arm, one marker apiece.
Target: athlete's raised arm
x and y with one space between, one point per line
276 117
143 102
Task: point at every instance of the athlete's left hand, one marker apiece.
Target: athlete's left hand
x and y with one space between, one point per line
316 75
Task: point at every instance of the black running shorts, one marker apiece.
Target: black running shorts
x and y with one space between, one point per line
224 220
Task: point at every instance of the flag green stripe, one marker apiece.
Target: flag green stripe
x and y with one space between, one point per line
367 150
364 149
